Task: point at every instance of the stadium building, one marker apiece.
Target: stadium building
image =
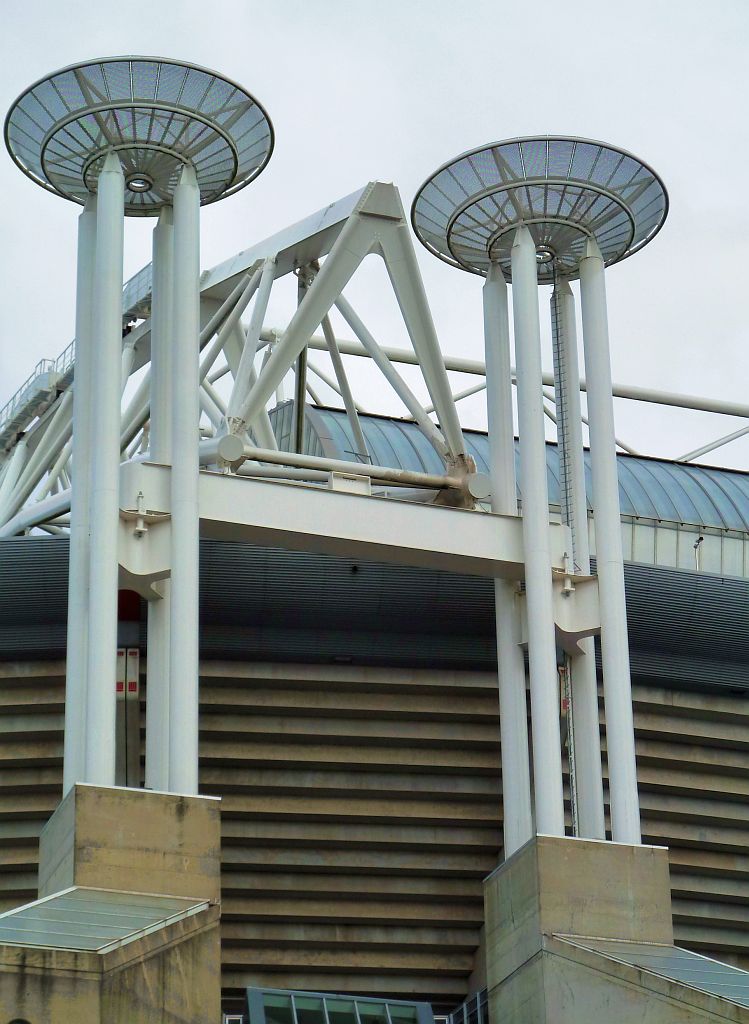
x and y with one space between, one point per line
391 647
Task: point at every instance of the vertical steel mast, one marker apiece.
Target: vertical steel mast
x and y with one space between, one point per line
547 210
132 136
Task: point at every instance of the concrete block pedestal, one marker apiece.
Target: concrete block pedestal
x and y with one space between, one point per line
111 859
556 887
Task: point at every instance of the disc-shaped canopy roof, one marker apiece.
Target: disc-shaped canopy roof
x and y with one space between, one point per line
156 114
564 190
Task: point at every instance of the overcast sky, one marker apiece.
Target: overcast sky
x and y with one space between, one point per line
389 90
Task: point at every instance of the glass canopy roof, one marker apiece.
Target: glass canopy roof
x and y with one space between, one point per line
155 114
676 964
91 919
563 189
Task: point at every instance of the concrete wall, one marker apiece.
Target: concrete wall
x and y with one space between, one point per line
362 808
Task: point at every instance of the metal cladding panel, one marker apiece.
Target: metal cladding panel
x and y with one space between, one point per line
652 488
267 604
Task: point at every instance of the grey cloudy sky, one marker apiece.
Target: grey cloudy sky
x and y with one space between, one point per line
390 90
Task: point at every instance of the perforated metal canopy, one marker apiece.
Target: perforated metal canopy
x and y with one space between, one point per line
563 189
155 114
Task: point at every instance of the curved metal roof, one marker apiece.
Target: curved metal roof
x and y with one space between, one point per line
563 189
156 114
649 488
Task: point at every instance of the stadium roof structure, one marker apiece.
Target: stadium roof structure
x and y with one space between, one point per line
156 114
650 488
564 190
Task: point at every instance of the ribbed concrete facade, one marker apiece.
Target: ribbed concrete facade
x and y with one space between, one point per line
362 808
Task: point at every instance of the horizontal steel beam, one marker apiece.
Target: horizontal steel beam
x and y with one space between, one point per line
308 518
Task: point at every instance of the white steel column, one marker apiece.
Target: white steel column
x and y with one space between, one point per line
183 674
617 686
584 705
513 715
104 468
160 445
542 662
74 759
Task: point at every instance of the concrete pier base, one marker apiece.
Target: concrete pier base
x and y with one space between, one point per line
126 929
551 912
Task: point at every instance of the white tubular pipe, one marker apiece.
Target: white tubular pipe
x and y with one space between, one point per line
183 657
105 464
128 355
74 749
212 411
58 470
231 321
712 445
162 301
392 376
261 426
137 411
160 446
49 508
513 715
405 277
12 473
404 476
584 705
345 390
542 661
326 379
617 686
473 390
243 379
55 435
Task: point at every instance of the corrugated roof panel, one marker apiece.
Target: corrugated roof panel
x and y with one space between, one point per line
650 488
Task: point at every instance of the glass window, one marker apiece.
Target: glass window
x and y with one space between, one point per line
372 1013
278 1009
309 1010
402 1014
341 1011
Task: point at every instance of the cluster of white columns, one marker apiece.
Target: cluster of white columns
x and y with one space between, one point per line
90 714
548 803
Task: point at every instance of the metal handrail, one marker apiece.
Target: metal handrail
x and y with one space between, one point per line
42 367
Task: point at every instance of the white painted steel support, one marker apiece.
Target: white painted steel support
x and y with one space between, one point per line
583 712
327 379
58 470
105 461
712 445
362 451
261 427
230 321
391 375
513 713
183 655
405 277
54 435
10 478
544 684
74 747
160 443
243 378
617 686
128 357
